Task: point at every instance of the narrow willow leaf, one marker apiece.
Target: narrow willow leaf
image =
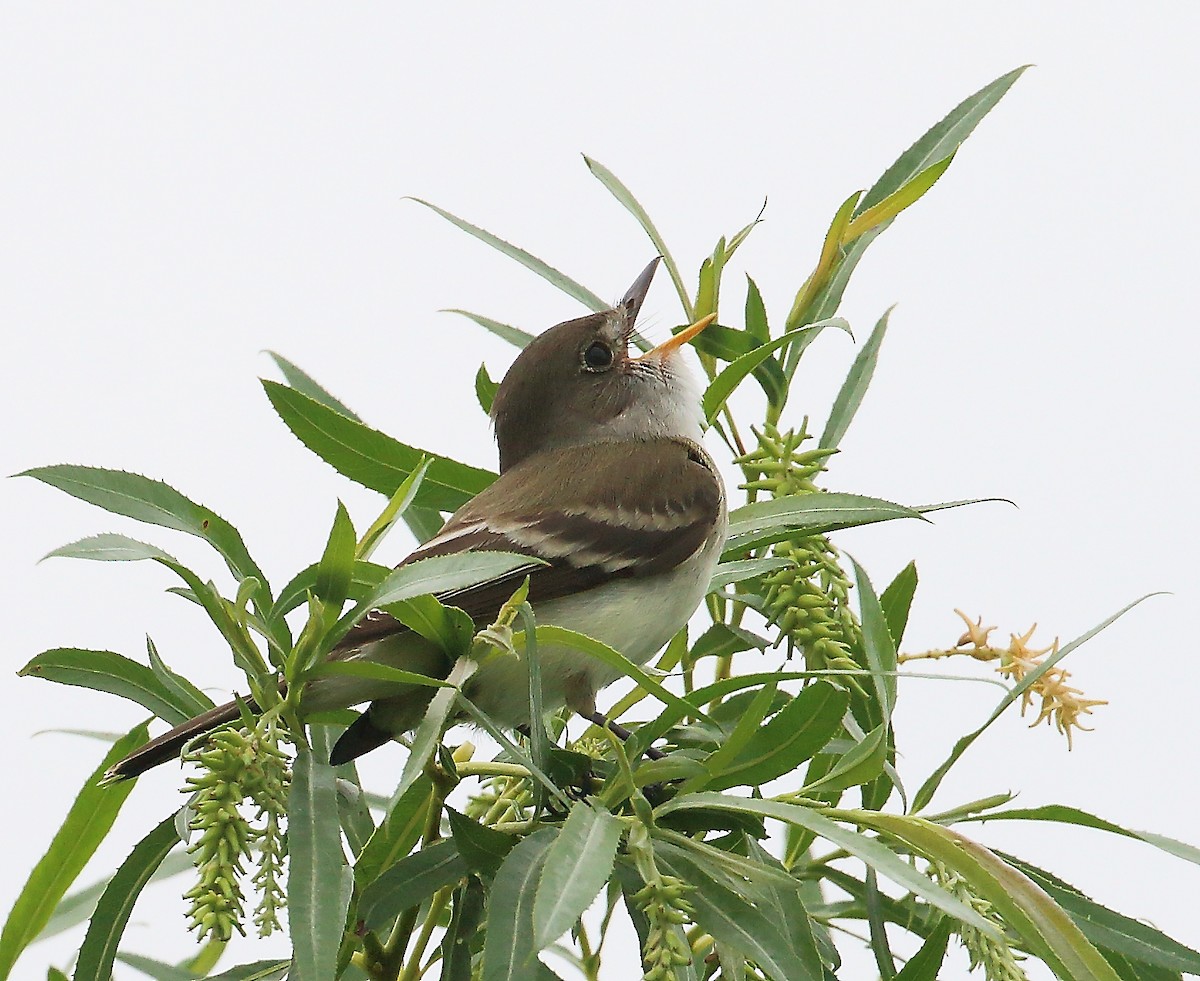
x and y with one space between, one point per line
722 640
184 694
509 950
113 673
514 335
931 784
108 548
530 262
861 764
364 577
354 811
87 824
77 907
429 732
831 253
724 385
112 911
725 912
483 849
485 389
550 634
1109 930
795 734
370 458
887 209
411 881
850 397
878 646
577 865
155 503
941 140
818 513
304 383
896 601
747 725
630 203
464 922
1041 923
926 963
257 971
873 852
396 834
447 626
756 313
319 881
374 671
157 969
396 508
440 575
518 755
1063 814
728 573
336 567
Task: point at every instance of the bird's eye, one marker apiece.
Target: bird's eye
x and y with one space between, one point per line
597 356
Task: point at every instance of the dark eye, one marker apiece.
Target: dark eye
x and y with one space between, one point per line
597 356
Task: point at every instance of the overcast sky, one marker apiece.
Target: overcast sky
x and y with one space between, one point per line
184 187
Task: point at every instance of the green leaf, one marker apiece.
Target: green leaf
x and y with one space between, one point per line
530 262
930 786
482 848
447 626
723 909
374 671
1062 814
941 140
398 506
577 865
396 834
335 570
1109 930
304 383
795 734
514 335
721 640
862 763
112 912
185 695
515 752
257 971
319 882
155 503
1041 923
156 969
878 646
850 396
756 313
746 725
887 209
551 634
623 194
108 547
874 853
509 951
364 577
464 924
113 673
411 881
86 825
818 513
370 458
896 601
738 571
485 389
723 386
925 964
429 732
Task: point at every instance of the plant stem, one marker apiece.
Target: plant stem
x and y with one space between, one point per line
412 970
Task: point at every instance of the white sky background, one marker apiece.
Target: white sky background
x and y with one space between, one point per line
184 187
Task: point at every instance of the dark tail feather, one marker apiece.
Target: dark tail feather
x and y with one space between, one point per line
168 746
361 737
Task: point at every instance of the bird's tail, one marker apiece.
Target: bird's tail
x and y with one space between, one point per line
168 746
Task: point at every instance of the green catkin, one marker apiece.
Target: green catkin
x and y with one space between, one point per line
998 960
809 600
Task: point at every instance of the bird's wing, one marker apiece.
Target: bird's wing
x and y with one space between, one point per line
611 511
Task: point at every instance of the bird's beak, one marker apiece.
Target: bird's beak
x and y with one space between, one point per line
663 351
632 301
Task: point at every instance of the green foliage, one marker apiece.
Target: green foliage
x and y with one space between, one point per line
557 829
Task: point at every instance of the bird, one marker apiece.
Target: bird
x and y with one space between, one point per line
603 478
